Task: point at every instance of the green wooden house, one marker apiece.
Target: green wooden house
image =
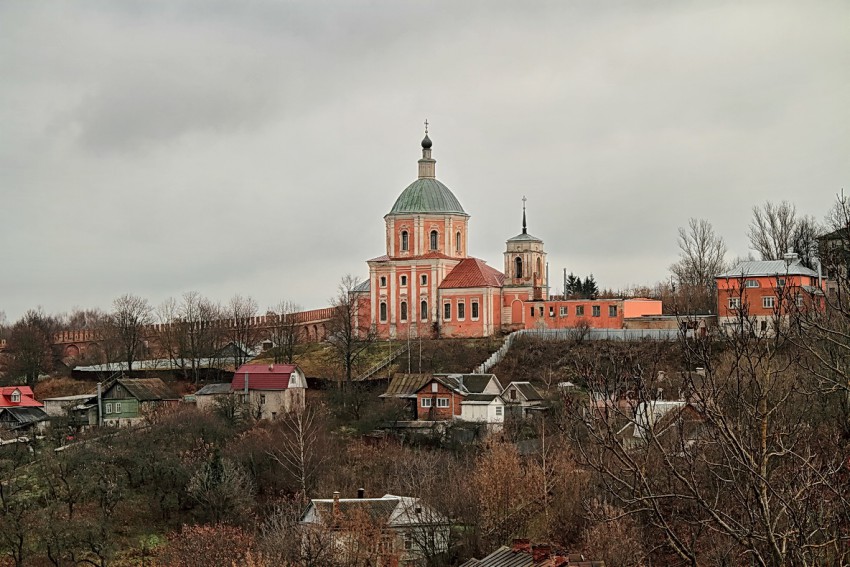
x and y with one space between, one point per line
126 400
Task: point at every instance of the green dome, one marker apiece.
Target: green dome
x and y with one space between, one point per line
426 196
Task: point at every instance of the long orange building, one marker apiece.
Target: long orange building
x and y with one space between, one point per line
427 284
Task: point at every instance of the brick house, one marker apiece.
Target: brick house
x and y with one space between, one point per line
757 295
465 397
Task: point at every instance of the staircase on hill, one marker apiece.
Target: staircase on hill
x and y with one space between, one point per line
383 364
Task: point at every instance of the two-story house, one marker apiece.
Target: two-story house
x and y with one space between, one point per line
755 296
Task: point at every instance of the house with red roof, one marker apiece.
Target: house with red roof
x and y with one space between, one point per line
19 409
267 391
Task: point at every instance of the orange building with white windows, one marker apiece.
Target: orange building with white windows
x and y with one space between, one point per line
427 284
758 295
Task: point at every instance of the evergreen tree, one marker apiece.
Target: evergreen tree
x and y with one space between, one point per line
574 287
589 289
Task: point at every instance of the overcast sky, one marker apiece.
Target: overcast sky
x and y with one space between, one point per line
254 147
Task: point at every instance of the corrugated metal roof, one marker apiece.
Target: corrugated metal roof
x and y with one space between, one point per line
506 557
768 268
530 392
26 399
427 195
474 383
472 272
486 398
27 415
263 376
378 510
406 385
211 389
146 389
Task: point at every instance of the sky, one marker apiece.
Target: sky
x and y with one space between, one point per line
254 147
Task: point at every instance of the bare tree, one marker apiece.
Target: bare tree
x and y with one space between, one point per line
30 345
284 331
348 334
241 327
702 255
742 465
299 450
131 316
776 229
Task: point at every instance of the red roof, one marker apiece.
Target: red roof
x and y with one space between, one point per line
263 376
472 272
27 399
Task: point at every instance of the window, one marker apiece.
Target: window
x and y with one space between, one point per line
518 267
798 299
579 310
612 310
433 240
383 311
408 542
405 241
751 283
426 402
383 281
109 407
513 393
447 311
734 303
442 402
596 310
404 311
434 387
768 302
780 282
474 310
117 407
457 242
423 279
403 280
423 310
540 310
499 411
763 325
461 310
532 311
16 396
551 311
564 312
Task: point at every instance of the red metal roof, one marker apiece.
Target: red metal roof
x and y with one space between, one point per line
472 272
263 376
426 256
27 399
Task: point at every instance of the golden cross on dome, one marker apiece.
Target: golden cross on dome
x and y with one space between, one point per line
426 126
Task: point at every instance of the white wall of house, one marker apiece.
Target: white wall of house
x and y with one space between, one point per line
494 412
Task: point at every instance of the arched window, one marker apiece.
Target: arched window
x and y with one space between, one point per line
405 244
457 242
433 240
539 268
518 267
404 311
423 310
383 311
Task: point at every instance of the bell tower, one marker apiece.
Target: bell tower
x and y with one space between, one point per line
525 262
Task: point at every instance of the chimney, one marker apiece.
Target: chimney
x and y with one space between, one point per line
522 545
790 257
336 502
541 552
361 493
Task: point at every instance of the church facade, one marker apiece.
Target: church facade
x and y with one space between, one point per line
427 284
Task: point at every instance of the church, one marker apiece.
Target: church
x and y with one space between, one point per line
427 284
